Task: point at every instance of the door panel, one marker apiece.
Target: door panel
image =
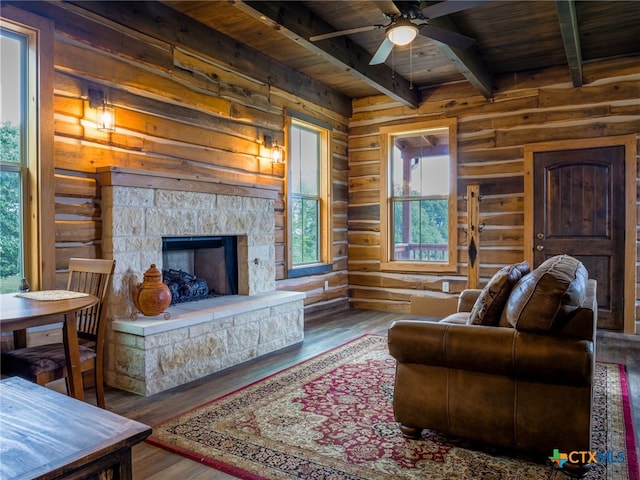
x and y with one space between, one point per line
579 210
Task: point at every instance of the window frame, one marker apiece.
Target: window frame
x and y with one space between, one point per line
39 256
323 130
386 204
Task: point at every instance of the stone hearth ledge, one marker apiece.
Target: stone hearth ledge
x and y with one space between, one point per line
192 313
150 354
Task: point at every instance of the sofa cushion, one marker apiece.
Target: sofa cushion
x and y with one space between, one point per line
493 297
542 300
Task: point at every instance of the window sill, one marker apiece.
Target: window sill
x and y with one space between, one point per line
309 270
421 267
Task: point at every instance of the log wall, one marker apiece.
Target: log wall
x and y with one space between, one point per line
538 107
177 112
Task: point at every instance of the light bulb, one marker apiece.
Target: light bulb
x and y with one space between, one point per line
276 153
402 32
106 118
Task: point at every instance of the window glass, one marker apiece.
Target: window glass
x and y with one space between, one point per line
304 232
13 158
420 184
305 147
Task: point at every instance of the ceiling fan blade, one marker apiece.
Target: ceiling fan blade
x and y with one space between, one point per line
453 39
387 6
382 53
339 33
449 6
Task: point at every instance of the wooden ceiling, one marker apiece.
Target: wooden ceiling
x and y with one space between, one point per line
510 37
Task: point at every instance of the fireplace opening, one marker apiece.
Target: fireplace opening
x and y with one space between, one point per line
200 267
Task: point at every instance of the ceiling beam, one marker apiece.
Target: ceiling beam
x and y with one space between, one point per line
571 38
160 21
298 23
467 61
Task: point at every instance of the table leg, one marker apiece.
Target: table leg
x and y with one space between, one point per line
72 354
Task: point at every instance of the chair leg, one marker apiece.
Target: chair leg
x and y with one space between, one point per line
99 385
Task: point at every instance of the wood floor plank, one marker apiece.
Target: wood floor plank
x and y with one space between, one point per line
152 463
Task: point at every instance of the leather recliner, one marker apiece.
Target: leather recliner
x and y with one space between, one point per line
513 368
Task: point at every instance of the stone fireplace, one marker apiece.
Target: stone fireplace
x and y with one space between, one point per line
140 212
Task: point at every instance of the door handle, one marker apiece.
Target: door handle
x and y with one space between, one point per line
539 248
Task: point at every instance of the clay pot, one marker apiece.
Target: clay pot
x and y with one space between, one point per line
152 296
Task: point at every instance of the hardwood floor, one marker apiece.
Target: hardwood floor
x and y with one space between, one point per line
321 334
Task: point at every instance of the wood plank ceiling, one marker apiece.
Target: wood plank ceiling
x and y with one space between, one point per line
510 37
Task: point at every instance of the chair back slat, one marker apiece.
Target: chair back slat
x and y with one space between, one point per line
91 276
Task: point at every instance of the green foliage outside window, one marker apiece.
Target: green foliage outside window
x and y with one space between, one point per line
429 221
10 205
425 238
305 234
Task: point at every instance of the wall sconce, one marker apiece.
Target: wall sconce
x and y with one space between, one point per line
105 112
277 152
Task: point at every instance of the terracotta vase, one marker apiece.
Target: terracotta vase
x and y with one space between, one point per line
152 296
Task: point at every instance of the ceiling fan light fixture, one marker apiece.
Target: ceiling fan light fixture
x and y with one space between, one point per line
402 32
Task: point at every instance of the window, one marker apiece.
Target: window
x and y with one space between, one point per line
308 186
418 204
23 169
13 159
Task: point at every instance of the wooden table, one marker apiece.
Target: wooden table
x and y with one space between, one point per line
17 314
46 435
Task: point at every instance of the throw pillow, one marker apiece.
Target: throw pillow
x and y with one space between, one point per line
494 296
542 300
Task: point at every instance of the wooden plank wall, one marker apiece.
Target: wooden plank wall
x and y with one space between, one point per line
527 109
177 111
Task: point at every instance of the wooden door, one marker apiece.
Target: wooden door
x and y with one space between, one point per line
579 209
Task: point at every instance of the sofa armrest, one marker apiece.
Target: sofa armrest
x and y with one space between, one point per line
494 351
467 299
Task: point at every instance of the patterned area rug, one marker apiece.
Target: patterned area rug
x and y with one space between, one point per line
331 417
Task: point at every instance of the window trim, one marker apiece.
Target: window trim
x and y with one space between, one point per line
325 231
40 265
386 242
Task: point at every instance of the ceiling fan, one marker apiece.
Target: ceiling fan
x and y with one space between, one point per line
406 20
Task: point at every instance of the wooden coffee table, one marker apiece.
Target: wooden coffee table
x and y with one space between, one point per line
45 435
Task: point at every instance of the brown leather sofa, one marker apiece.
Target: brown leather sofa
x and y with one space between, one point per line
513 368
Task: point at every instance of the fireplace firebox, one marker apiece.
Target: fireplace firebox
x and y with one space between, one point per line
200 267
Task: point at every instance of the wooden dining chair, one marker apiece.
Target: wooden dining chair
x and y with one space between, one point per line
45 363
